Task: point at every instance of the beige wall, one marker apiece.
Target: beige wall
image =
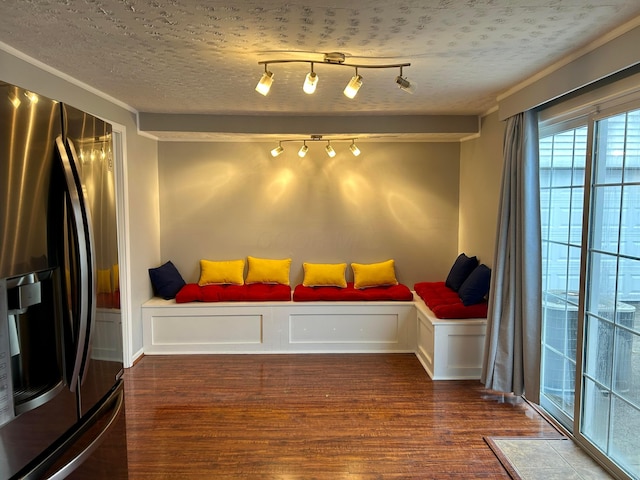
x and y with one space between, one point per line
228 200
480 180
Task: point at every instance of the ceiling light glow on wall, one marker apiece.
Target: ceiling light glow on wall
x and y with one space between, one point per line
264 85
303 150
354 148
310 82
351 90
334 59
277 151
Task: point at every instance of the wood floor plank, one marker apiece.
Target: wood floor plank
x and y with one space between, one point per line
325 416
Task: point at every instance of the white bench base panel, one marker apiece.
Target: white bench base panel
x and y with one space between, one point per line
316 327
450 349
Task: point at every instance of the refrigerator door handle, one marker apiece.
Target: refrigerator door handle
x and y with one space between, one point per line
83 260
88 287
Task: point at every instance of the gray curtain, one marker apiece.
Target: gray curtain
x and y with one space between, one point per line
512 346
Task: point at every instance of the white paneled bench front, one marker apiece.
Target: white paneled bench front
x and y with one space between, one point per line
278 327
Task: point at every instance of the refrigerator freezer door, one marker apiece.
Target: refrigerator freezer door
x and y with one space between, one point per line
33 432
95 449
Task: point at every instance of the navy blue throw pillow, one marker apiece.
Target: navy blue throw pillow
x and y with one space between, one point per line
166 280
461 269
476 286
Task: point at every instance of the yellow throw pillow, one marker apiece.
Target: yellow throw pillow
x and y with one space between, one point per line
324 275
263 270
116 277
374 274
226 272
104 281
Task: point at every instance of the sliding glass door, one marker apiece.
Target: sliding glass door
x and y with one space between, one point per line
590 204
562 174
610 417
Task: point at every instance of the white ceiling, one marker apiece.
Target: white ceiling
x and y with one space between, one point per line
188 56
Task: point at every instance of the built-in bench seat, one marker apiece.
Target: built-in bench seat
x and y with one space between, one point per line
399 292
448 349
252 292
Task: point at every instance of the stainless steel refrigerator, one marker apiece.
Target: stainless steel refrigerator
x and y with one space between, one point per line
62 412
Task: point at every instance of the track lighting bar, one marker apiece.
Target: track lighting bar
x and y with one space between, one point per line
328 148
333 58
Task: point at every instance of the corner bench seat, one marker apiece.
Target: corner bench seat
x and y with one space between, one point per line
447 348
445 302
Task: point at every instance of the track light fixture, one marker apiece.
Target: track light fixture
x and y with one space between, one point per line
264 85
351 90
278 150
310 82
303 150
354 148
404 83
328 148
330 151
333 58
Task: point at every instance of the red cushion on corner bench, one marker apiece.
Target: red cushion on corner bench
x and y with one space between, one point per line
350 294
255 292
445 303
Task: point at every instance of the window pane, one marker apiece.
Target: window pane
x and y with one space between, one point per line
630 224
575 225
560 214
625 441
558 380
602 284
599 351
606 218
632 151
626 376
557 268
573 272
595 414
629 280
611 141
545 211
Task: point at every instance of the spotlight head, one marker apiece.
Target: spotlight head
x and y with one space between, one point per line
405 84
264 85
330 151
277 151
303 150
310 83
354 148
353 86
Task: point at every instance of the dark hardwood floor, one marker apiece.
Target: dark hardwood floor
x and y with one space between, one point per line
310 416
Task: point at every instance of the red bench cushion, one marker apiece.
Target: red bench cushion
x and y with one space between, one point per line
336 294
255 292
445 303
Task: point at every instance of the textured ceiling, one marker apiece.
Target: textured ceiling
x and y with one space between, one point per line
188 56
